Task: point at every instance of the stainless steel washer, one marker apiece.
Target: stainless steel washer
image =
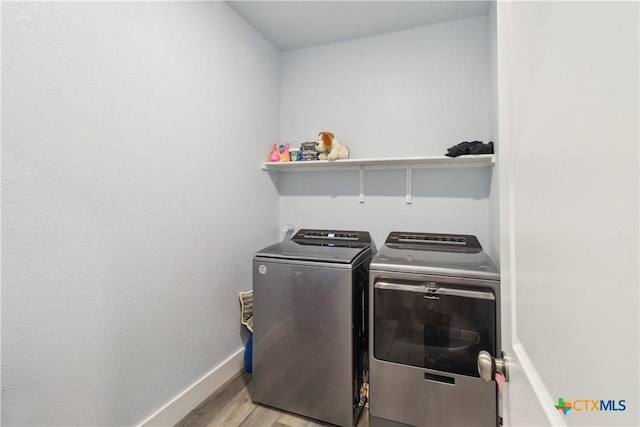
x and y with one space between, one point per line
310 335
435 302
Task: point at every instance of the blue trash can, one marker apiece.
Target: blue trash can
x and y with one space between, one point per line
248 354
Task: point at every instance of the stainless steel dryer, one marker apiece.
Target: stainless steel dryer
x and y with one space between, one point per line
310 333
435 302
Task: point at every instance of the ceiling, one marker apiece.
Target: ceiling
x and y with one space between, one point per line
293 25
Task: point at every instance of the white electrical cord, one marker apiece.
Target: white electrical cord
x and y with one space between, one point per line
287 229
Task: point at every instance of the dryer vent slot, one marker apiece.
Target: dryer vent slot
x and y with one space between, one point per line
439 378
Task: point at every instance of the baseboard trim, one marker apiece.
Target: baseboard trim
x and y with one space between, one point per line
544 397
190 398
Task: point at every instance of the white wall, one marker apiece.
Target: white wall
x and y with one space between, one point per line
132 201
409 93
574 131
494 193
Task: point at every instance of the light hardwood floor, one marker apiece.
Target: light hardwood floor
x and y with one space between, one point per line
231 406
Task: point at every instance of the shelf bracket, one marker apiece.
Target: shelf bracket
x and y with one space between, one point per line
408 186
361 184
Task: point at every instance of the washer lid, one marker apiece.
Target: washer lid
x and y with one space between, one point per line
336 246
438 254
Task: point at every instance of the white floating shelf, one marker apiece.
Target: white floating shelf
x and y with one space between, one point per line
406 163
471 161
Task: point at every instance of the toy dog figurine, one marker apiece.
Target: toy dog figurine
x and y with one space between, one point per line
329 147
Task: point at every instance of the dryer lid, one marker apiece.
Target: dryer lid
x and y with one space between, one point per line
338 246
438 254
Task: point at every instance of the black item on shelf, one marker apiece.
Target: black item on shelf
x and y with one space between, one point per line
308 151
473 147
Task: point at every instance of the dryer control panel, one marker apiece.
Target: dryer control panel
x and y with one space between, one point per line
433 241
